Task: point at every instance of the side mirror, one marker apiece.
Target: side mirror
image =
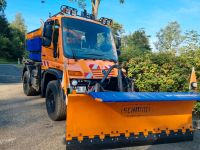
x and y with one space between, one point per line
47 34
118 43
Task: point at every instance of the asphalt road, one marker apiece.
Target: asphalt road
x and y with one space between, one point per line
24 123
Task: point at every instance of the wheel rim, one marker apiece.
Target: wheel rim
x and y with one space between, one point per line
51 102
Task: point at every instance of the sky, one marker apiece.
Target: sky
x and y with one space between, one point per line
152 15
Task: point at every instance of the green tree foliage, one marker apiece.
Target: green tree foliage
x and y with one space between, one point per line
117 29
12 37
134 45
3 5
5 34
163 71
191 41
169 38
18 30
4 31
19 23
4 26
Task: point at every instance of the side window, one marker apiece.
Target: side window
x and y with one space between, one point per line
56 27
47 33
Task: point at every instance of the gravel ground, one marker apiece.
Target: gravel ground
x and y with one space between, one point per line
24 123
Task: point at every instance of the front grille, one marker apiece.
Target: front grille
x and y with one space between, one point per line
98 73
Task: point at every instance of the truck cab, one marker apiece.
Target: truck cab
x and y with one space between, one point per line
86 47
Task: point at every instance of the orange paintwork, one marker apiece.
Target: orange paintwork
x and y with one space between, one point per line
37 33
193 77
87 117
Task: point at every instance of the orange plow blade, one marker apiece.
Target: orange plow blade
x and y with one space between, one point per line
100 122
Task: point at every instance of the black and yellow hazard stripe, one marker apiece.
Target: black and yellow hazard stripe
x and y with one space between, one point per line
132 140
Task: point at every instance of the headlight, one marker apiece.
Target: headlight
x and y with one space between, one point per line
74 82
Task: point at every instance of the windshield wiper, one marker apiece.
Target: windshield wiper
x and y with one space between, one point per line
109 59
74 54
96 54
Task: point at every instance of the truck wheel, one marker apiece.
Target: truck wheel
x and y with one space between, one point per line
28 90
55 103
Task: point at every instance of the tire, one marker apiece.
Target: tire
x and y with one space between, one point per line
28 90
55 103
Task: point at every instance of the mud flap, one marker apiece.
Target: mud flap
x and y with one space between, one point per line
93 121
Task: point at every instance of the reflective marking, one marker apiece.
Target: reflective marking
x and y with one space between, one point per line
88 75
45 63
95 66
107 66
91 65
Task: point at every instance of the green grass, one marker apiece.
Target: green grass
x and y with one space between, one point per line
6 61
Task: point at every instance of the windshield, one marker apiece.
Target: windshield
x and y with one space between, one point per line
86 40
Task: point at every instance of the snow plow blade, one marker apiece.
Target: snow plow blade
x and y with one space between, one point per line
121 119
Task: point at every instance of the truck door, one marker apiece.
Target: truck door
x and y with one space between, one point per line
50 52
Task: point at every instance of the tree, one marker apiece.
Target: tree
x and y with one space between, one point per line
117 29
5 35
95 5
4 26
169 38
191 41
138 39
163 71
134 45
19 23
18 30
3 5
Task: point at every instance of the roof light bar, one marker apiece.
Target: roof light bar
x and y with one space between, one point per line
64 9
106 21
85 14
68 10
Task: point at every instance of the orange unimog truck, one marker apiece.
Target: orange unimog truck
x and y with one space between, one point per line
73 63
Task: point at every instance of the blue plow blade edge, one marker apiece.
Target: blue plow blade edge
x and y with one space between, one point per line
145 96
